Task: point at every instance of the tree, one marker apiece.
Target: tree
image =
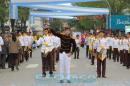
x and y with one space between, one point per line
56 24
23 14
116 8
4 13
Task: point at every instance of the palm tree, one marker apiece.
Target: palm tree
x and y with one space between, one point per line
116 8
23 14
4 11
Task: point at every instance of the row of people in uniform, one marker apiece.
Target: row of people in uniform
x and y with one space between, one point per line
14 49
49 51
116 48
57 46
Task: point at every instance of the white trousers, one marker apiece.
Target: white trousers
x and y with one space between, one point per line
65 62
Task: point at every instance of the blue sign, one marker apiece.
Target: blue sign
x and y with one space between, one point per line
119 22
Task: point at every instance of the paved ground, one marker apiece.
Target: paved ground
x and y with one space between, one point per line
83 74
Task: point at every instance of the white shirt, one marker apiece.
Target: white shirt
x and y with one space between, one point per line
46 40
102 43
20 38
115 43
125 44
1 43
25 40
30 40
77 42
120 44
109 41
57 42
95 44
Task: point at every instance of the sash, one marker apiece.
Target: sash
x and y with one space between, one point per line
102 55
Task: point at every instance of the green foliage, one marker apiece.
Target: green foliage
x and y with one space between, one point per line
87 23
56 24
4 13
23 13
99 4
116 6
4 10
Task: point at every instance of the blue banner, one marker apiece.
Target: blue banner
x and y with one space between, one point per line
118 22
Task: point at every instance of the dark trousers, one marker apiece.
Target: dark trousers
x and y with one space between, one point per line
94 55
121 56
101 67
30 52
21 54
26 53
13 60
3 60
54 56
90 54
47 63
128 61
87 50
76 56
125 57
57 54
115 55
0 61
109 52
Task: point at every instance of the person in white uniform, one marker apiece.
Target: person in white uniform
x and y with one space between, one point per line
30 39
1 44
115 49
46 49
26 45
101 59
21 52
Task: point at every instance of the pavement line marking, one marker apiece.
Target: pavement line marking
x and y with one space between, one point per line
31 66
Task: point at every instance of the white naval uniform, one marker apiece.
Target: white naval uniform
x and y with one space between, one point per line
115 43
43 41
125 44
30 40
26 41
109 41
102 43
1 43
20 38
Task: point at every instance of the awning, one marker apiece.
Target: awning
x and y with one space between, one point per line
34 2
68 8
65 13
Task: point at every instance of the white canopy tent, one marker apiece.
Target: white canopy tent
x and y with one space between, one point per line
52 5
48 1
56 9
68 8
64 13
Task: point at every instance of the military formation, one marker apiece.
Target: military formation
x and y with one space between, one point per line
57 47
15 48
102 46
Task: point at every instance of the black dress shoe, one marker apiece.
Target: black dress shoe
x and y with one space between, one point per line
98 76
12 68
92 64
61 81
17 68
104 77
43 75
127 67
